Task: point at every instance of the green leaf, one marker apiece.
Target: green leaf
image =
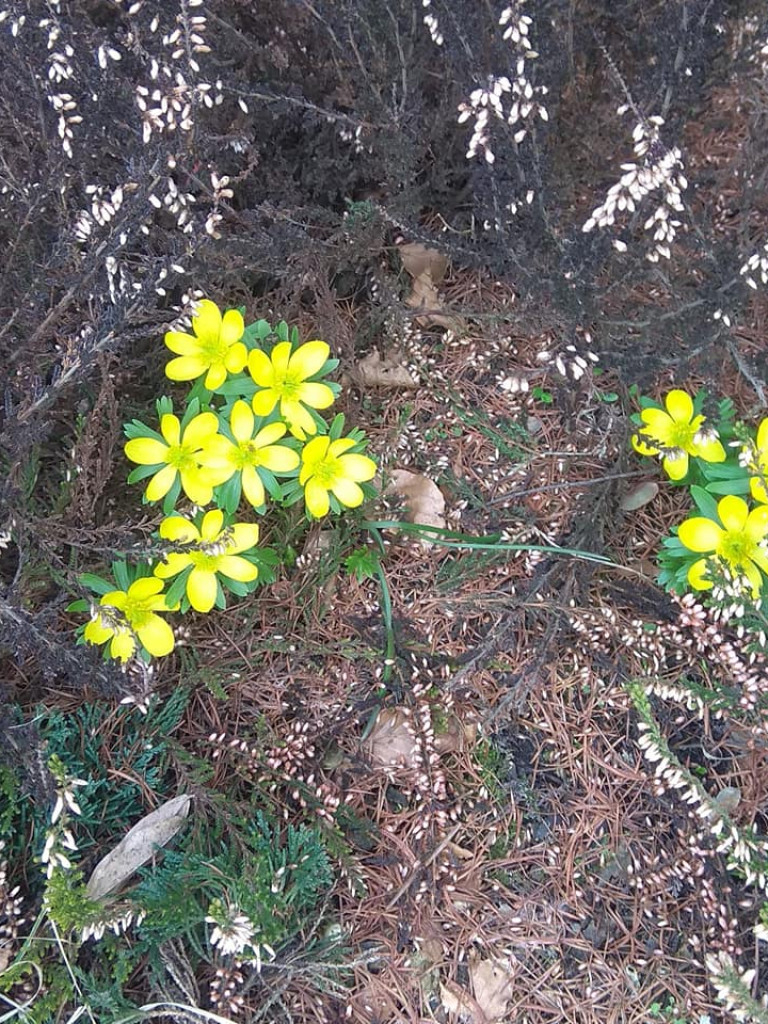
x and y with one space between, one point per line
704 502
199 392
270 483
236 587
169 503
96 583
238 386
337 426
227 495
193 408
281 330
729 486
138 429
120 569
363 564
81 605
178 588
142 472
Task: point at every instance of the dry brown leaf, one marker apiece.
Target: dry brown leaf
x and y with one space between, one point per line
455 735
375 372
391 742
423 498
427 267
492 985
418 259
639 496
137 847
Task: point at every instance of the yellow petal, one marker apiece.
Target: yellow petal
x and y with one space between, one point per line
700 534
308 359
114 599
358 467
299 420
232 327
182 344
264 402
173 563
641 447
697 575
236 358
215 376
210 528
202 589
160 483
319 396
253 488
123 645
676 467
680 406
241 421
657 424
145 587
237 568
348 492
170 428
146 451
278 458
733 512
758 490
197 487
200 429
762 435
711 451
207 323
336 448
96 632
269 434
244 537
754 576
157 636
757 523
261 369
316 499
176 528
185 368
280 356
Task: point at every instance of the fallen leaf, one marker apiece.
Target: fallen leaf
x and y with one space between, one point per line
418 259
391 743
455 735
492 985
639 496
137 847
427 267
423 498
373 371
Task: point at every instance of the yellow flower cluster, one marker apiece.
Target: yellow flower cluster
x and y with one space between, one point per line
731 536
222 448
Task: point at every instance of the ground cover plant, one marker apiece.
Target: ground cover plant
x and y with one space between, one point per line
382 511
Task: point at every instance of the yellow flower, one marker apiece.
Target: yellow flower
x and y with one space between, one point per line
214 549
736 542
756 483
215 346
249 452
285 379
178 456
678 433
125 616
326 468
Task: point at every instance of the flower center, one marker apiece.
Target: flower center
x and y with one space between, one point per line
736 548
136 614
182 457
681 436
205 561
214 350
289 386
326 473
248 454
